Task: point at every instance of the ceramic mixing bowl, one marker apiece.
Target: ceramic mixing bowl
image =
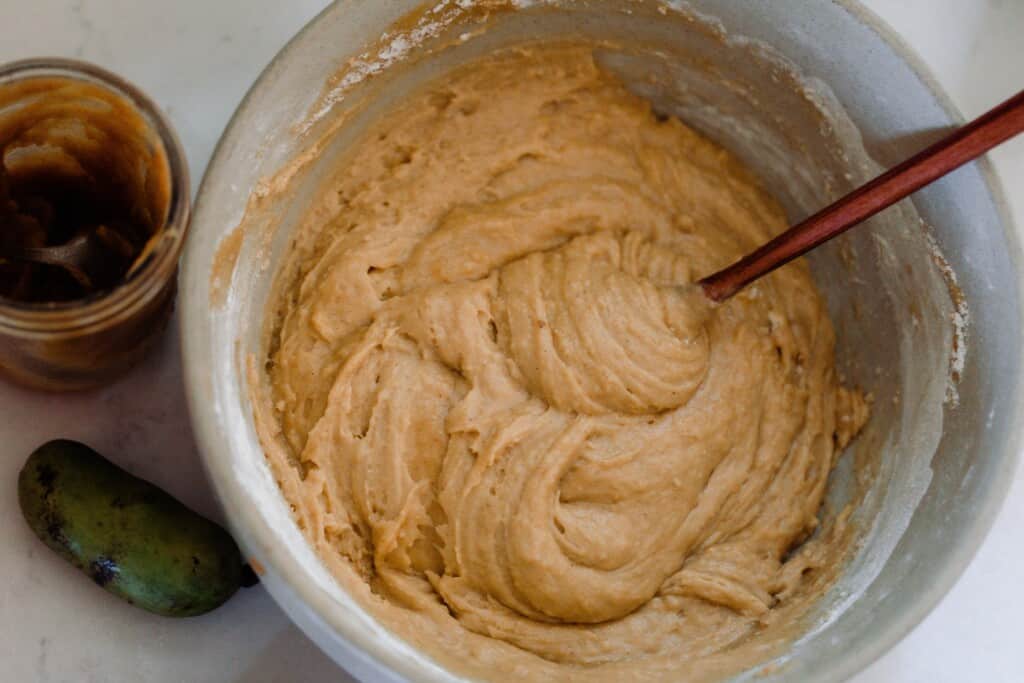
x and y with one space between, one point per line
815 97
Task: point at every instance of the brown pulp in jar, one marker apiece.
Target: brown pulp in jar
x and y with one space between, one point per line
77 159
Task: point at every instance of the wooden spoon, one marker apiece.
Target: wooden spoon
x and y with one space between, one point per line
963 145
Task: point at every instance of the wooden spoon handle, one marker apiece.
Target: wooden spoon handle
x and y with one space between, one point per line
955 150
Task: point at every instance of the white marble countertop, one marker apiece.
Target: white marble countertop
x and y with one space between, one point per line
197 58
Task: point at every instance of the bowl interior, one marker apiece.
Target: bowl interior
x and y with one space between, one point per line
814 101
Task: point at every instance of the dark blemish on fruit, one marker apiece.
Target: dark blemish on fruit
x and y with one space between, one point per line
103 570
47 478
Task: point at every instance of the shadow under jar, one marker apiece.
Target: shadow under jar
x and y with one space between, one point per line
84 156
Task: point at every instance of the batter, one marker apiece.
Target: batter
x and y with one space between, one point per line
503 420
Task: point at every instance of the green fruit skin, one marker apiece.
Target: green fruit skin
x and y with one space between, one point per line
130 537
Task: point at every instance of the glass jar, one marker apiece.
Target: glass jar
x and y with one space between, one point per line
71 110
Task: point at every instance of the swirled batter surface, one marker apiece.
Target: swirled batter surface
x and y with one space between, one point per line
501 417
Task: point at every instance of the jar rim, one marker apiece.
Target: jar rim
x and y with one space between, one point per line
35 320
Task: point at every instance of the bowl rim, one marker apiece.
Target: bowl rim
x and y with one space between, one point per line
307 604
977 531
